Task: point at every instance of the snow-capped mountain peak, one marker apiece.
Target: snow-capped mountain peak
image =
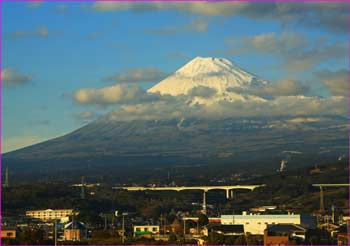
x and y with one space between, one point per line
218 74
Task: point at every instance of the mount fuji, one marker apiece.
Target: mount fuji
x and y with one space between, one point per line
218 74
108 144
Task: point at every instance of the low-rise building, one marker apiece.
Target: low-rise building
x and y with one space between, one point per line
51 214
343 238
146 230
293 231
74 231
257 223
9 232
227 230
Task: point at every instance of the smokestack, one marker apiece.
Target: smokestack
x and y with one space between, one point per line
82 193
6 183
283 166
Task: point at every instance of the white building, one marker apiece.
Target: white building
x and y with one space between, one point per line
257 223
51 214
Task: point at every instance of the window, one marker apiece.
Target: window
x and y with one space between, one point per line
259 223
154 229
138 229
145 229
9 234
247 223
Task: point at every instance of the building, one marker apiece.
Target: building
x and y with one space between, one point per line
343 238
74 231
51 214
274 233
176 227
257 223
227 230
263 208
146 230
8 232
275 239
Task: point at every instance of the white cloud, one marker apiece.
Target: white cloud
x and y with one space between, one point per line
17 142
85 115
285 87
116 94
177 107
40 32
34 4
12 77
335 81
202 91
330 16
198 25
138 75
62 8
296 51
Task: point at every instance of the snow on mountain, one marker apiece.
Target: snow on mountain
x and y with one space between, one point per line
218 74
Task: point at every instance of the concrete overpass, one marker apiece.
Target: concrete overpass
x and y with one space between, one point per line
228 188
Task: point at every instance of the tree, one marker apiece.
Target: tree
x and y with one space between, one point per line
240 240
172 237
203 220
31 236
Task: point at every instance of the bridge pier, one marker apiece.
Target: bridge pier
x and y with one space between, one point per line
204 208
227 194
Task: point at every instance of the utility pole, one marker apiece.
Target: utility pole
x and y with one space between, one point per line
73 231
55 232
321 200
184 228
123 225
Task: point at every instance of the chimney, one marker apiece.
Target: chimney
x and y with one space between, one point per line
6 184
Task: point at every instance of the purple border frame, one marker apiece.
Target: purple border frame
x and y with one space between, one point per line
169 1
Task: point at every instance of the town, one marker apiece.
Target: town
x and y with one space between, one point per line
169 214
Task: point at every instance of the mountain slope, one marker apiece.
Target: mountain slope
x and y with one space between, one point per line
191 141
110 142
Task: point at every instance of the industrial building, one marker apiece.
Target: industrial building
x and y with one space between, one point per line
257 223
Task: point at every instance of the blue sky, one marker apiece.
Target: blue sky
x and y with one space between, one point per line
52 50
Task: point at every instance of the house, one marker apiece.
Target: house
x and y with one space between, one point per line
227 230
283 234
146 230
343 238
176 227
74 231
9 232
